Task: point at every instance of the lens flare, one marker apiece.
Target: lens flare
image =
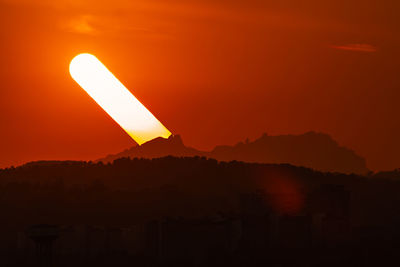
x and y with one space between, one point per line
116 99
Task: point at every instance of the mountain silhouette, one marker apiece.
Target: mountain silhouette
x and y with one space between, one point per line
312 150
156 148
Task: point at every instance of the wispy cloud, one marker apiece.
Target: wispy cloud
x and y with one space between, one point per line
367 48
81 24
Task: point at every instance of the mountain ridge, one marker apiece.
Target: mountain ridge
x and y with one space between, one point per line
312 150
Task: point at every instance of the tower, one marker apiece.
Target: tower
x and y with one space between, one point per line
43 235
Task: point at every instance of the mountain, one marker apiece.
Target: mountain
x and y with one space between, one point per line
313 150
156 148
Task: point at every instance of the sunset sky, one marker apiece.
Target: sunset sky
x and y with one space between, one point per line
213 71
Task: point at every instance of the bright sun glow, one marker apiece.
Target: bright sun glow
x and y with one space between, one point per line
116 99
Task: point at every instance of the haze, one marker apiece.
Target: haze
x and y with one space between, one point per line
215 72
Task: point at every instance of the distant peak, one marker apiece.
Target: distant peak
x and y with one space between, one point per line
176 139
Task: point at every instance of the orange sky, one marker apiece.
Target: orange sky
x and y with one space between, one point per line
214 71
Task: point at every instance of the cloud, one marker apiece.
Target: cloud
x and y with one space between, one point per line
357 48
81 24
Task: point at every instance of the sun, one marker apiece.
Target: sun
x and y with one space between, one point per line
116 99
